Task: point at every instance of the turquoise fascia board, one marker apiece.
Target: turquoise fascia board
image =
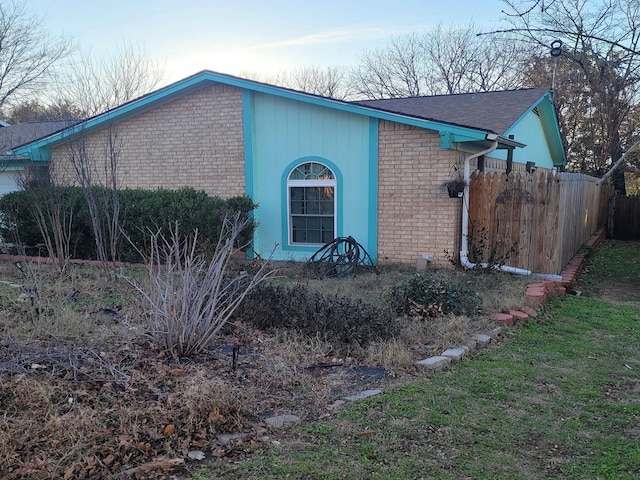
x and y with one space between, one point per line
40 148
372 248
449 137
206 78
286 245
550 126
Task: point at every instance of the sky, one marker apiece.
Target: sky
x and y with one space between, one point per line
240 36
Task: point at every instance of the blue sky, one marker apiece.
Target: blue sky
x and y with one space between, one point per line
239 36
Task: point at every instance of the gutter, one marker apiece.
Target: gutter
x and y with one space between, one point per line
464 243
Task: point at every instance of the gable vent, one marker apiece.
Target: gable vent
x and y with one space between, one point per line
535 110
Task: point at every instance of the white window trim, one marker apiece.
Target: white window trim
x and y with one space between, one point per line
311 183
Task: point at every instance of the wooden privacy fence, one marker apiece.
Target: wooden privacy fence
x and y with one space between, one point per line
535 221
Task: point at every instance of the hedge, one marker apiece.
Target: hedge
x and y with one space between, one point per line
142 211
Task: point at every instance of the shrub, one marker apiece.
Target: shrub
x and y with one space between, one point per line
335 318
425 296
143 211
190 297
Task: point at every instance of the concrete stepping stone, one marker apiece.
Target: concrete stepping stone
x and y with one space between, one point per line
482 339
280 420
362 395
455 353
434 363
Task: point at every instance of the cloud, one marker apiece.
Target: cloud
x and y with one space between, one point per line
341 35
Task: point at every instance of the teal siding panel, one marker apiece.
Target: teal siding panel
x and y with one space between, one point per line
529 131
286 133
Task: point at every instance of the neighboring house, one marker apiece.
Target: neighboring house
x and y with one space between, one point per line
13 135
318 168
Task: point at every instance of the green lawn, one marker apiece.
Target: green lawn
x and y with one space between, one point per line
560 398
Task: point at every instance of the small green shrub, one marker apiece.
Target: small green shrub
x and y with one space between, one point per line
335 318
425 296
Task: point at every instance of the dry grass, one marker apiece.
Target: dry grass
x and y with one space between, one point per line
84 394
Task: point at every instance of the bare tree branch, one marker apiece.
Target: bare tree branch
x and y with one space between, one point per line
97 84
28 55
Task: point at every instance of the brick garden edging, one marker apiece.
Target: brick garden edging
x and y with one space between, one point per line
538 291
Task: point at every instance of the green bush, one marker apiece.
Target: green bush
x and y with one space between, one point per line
425 296
335 318
142 212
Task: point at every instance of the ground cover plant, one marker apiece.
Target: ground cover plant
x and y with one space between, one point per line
87 393
559 398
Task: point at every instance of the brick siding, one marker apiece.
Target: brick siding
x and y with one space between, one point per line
415 214
195 140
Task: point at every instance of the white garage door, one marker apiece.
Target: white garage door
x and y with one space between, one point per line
8 182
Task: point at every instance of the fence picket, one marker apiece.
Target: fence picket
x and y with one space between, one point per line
547 216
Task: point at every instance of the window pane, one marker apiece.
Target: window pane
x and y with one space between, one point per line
311 171
312 208
312 229
326 207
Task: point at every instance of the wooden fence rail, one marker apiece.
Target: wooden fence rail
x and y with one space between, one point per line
532 221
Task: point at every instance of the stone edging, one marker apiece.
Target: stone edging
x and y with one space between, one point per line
538 291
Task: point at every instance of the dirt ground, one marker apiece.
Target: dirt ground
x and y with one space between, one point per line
85 394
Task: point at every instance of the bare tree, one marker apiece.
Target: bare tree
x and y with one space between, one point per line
28 55
396 70
97 84
597 87
445 60
34 110
329 82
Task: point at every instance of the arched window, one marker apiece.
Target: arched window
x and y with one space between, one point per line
311 192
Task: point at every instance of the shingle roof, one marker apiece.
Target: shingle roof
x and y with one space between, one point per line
15 135
492 111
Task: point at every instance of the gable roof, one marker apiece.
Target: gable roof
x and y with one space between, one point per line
494 111
450 130
12 136
498 112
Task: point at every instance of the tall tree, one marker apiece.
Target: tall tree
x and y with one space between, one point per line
597 87
33 110
445 60
28 55
96 84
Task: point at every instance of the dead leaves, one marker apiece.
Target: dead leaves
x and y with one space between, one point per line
165 465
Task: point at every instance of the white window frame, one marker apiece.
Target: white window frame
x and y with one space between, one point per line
311 183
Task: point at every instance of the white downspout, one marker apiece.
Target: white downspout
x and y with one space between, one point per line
464 241
464 244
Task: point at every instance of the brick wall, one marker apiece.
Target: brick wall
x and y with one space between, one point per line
415 214
194 141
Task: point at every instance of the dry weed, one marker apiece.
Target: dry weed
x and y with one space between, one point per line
83 396
394 356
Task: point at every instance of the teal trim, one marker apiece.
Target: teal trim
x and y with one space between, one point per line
247 131
285 207
372 247
39 149
550 127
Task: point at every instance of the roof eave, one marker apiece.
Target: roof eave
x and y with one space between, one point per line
40 149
